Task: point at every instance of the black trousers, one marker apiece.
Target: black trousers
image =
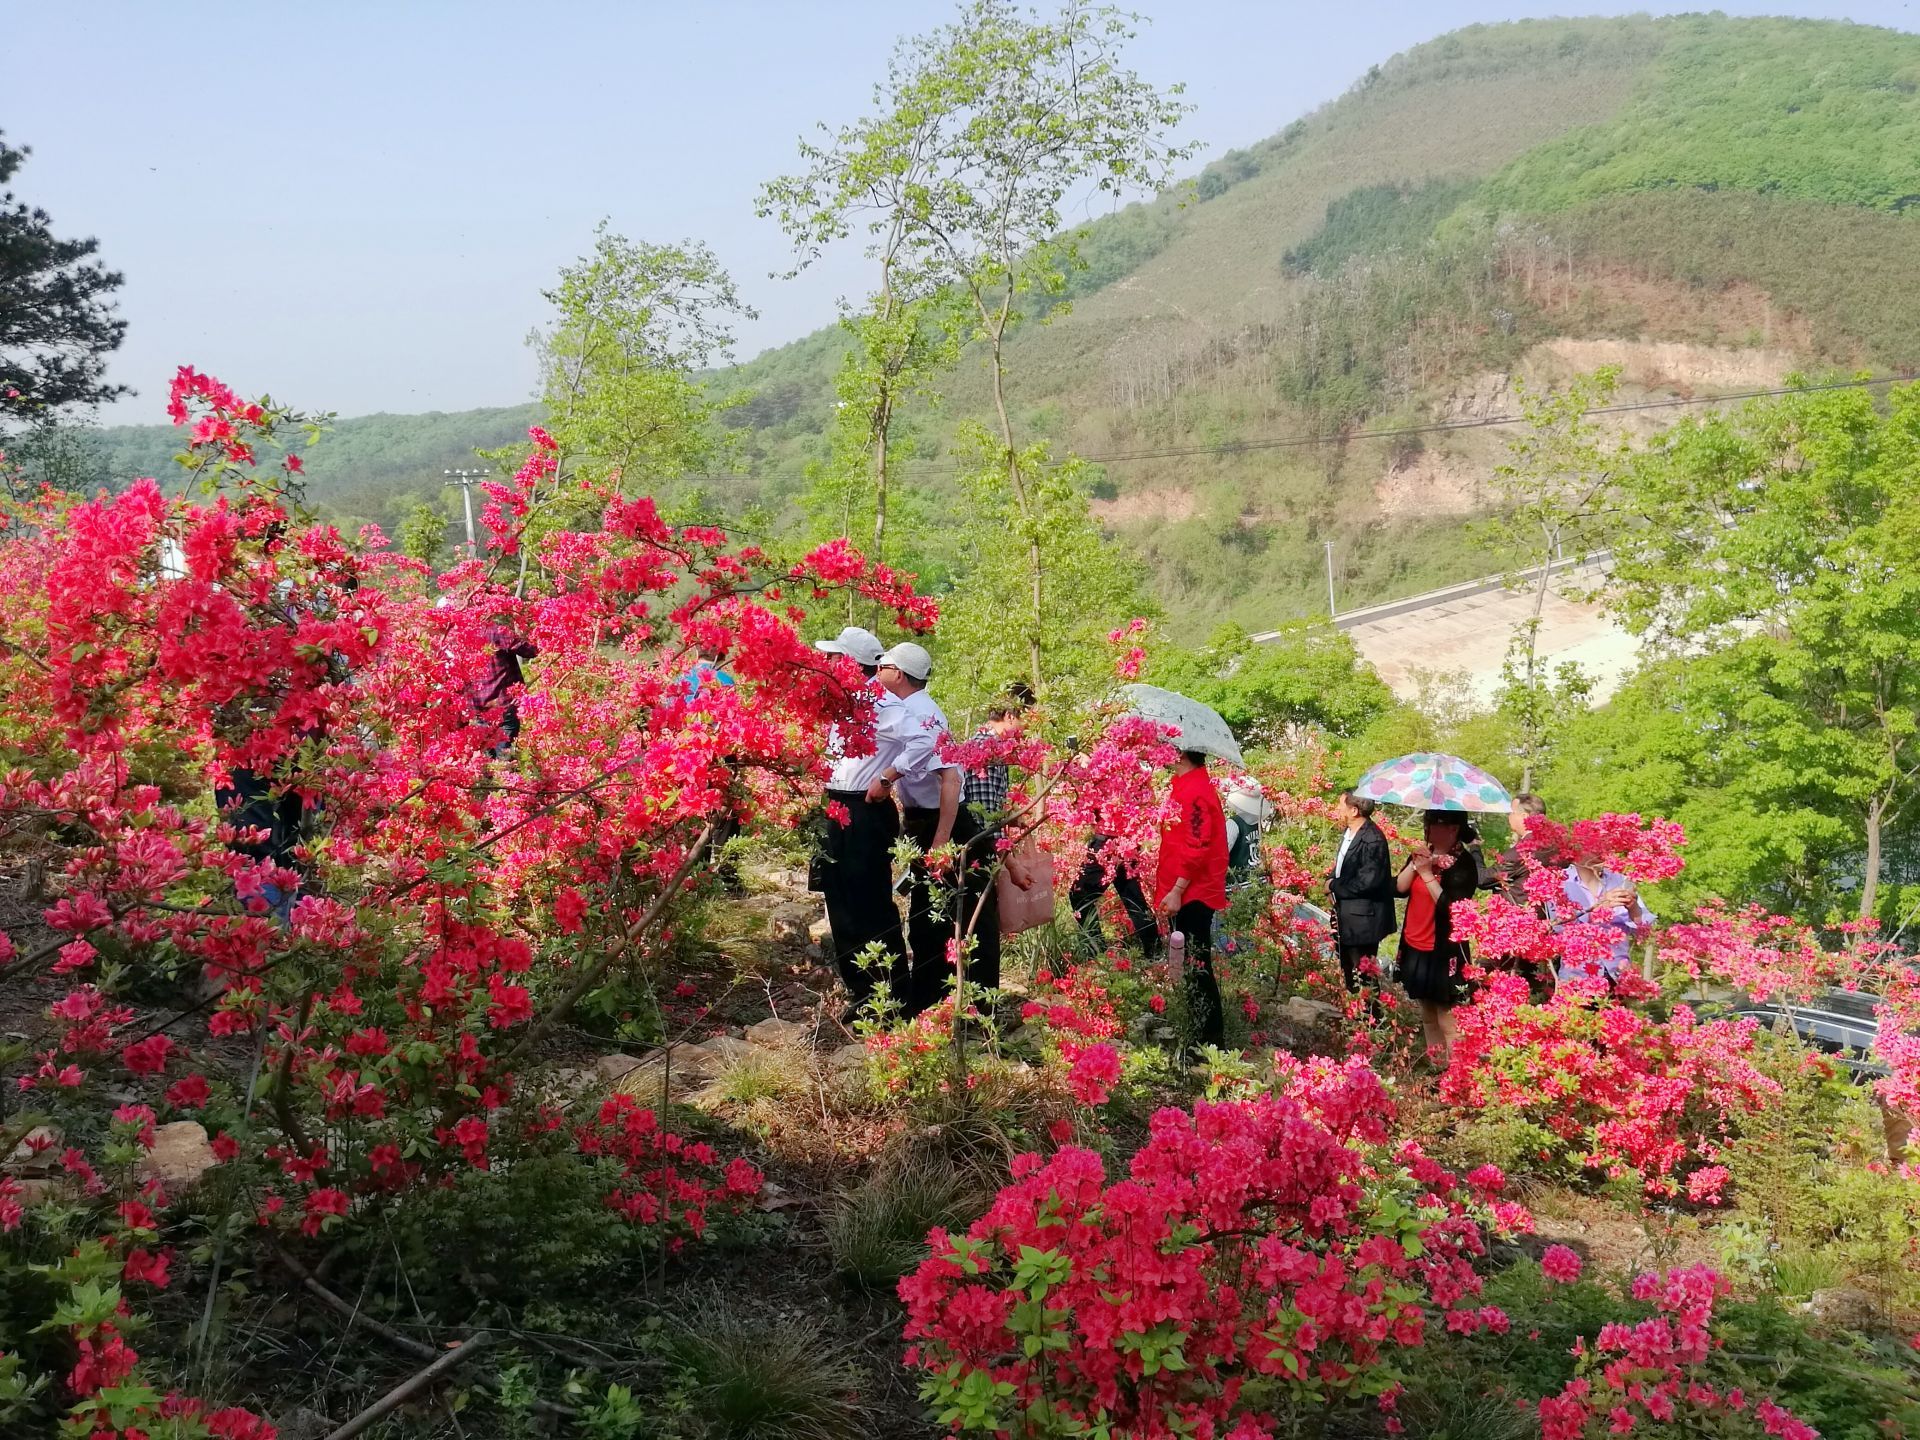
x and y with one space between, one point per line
939 910
1350 958
856 880
249 803
1093 882
1195 921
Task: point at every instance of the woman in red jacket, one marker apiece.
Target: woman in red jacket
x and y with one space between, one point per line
1192 883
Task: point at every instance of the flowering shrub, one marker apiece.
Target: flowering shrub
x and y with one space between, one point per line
387 975
668 1185
1634 1377
1606 1085
1259 1256
1772 957
1620 1091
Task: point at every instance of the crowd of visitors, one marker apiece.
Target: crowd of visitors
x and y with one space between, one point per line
960 862
1442 868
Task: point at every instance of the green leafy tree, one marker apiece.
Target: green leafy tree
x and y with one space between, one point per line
63 455
899 347
634 327
1308 678
907 334
1099 587
423 534
57 325
980 132
1781 545
1674 741
1557 506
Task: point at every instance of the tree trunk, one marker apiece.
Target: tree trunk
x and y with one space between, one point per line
880 480
1017 483
883 403
1870 877
1531 738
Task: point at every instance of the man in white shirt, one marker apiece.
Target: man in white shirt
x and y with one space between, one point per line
911 734
855 870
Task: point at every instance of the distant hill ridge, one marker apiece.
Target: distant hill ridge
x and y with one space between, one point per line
1741 194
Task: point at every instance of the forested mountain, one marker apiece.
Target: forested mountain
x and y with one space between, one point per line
1710 203
370 467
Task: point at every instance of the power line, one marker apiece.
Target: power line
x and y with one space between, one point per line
1345 437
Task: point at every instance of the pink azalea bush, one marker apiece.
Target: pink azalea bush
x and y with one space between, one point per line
1646 1375
455 903
1258 1256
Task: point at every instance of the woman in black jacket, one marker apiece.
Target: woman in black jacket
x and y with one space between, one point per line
1362 889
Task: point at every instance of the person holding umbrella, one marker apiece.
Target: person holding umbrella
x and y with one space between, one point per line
1191 882
1438 875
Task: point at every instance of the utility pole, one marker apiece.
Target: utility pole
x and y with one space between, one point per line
1333 611
465 479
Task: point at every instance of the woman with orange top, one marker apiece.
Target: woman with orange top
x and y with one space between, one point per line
1438 874
1191 882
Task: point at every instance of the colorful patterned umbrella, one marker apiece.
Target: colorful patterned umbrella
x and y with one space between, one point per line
1428 781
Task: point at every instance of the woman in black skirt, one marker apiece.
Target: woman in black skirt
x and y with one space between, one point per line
1431 961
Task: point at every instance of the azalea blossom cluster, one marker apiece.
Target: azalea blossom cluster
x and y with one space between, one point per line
668 1185
1647 1372
1618 1090
1771 957
1621 1092
1259 1255
1071 796
385 973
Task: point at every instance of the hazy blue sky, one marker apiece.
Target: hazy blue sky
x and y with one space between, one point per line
355 204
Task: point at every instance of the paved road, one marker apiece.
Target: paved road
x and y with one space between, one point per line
1465 629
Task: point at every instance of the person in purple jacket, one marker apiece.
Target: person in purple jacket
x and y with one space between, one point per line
502 682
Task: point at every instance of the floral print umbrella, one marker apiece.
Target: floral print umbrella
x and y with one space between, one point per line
1426 780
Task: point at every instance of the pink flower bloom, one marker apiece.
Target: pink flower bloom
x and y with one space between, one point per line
1093 1073
1561 1264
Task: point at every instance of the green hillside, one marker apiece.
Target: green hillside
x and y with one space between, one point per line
1707 201
1729 185
370 467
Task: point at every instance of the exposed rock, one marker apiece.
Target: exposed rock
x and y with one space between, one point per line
27 1157
790 924
1844 1308
847 1057
715 1054
612 1067
1310 1013
32 1192
180 1156
775 1196
819 932
773 1033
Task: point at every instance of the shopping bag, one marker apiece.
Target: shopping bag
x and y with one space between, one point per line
1025 884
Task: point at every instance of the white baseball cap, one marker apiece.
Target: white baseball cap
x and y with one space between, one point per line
909 659
862 646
